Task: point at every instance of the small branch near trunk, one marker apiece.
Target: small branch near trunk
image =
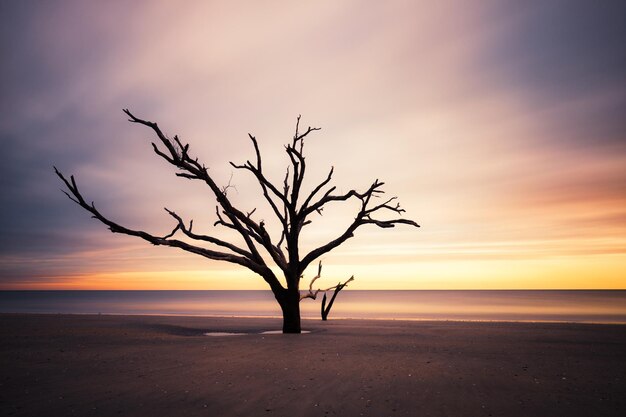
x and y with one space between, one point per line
312 294
326 310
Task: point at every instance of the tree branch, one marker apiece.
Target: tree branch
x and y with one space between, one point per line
313 293
363 217
295 152
265 184
317 189
192 169
165 240
187 231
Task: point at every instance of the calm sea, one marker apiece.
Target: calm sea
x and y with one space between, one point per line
568 306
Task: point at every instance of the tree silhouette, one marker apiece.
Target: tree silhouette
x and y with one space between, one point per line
325 308
292 207
313 293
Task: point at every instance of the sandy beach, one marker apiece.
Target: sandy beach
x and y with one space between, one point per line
63 365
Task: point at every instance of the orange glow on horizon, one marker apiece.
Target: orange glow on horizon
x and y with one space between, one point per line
585 272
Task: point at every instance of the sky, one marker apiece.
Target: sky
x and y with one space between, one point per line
499 125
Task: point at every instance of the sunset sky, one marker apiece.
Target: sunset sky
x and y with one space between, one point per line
500 125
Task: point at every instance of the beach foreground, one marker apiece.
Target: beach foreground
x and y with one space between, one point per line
94 365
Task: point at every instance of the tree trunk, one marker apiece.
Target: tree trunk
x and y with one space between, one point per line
290 305
324 311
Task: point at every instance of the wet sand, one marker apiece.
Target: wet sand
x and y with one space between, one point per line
60 365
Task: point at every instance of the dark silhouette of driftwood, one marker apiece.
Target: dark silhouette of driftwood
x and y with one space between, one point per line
313 293
325 309
292 206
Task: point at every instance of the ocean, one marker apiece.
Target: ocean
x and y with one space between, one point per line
582 306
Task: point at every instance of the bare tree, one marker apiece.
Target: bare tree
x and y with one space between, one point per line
291 205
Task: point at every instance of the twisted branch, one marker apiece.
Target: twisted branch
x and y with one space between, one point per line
312 294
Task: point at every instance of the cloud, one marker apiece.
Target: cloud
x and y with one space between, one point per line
494 125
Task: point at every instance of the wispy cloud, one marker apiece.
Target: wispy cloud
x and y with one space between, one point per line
499 126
